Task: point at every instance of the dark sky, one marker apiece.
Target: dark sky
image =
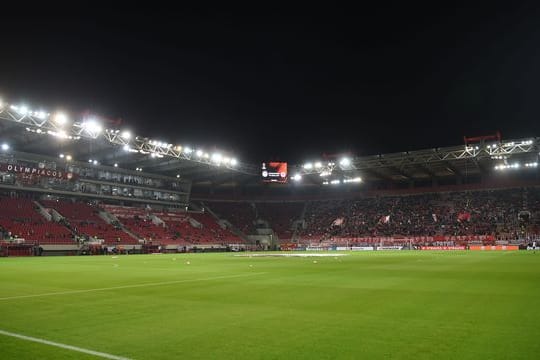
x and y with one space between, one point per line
286 84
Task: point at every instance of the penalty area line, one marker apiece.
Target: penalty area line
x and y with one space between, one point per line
130 286
63 346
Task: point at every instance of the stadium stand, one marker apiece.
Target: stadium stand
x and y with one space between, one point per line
19 218
242 215
492 213
280 216
139 222
84 220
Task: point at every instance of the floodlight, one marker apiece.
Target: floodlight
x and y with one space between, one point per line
345 162
115 165
126 135
318 165
5 146
188 150
216 157
95 162
92 126
297 177
23 110
308 166
233 162
68 157
199 153
40 114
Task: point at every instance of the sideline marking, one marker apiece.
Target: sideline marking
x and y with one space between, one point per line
63 346
130 286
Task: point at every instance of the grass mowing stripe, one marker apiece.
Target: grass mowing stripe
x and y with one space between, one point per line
130 286
63 346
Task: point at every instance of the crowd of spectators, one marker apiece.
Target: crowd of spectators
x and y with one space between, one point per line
489 212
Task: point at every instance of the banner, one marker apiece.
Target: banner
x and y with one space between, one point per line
442 248
395 247
494 247
355 248
30 170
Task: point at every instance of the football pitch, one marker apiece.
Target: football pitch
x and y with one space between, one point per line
371 305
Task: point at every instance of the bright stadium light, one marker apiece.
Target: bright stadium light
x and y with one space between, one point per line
199 153
308 166
61 156
345 162
95 162
234 162
178 176
5 147
68 157
318 165
42 115
23 109
92 126
188 150
60 119
1 103
335 182
216 157
297 177
126 135
90 161
353 180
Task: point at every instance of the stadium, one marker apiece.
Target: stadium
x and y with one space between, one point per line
77 187
118 243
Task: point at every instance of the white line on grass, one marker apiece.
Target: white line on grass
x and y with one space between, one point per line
63 346
130 286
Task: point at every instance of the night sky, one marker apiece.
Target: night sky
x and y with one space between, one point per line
285 84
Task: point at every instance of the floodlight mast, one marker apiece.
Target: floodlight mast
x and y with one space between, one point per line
89 128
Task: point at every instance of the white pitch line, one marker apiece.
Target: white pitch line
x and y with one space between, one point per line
129 286
63 346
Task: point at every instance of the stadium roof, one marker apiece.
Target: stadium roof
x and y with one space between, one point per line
39 132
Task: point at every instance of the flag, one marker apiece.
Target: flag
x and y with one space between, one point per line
464 216
384 219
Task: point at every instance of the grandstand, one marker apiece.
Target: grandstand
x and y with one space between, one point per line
67 185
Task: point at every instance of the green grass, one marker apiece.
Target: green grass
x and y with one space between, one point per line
379 305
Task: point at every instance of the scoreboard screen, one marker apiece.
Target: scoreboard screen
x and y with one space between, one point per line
274 172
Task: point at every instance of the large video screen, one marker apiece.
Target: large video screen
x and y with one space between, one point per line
274 172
